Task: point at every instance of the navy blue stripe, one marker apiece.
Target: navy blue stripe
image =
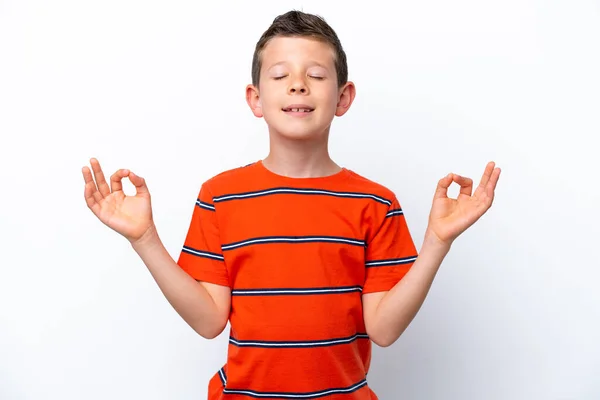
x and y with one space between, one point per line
394 212
296 291
297 344
297 395
293 239
299 191
205 205
223 376
202 253
390 262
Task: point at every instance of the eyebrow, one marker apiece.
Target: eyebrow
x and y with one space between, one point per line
311 64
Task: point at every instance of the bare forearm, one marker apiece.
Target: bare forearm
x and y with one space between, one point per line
399 306
190 299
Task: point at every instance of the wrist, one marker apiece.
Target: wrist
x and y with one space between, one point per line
432 242
148 239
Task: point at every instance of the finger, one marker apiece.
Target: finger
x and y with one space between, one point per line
91 187
115 180
90 192
442 188
491 185
99 176
486 195
139 183
466 184
487 173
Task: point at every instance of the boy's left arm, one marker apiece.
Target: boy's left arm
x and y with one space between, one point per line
388 314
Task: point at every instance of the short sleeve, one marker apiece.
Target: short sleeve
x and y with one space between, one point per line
391 251
201 256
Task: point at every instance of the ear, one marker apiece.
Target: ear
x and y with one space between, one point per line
253 100
346 96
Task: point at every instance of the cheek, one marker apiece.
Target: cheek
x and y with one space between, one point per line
270 108
268 99
332 99
329 92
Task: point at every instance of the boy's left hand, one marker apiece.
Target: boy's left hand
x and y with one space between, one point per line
451 217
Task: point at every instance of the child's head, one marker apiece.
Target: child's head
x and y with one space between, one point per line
299 77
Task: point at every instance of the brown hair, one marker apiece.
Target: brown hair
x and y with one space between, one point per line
301 24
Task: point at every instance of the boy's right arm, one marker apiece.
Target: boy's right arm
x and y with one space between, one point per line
204 306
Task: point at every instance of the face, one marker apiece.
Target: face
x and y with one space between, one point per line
298 93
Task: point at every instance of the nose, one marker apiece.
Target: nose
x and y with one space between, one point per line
298 86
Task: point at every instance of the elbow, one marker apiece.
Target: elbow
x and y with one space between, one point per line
210 332
208 335
383 342
382 339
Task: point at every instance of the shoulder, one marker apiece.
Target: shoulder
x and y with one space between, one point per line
360 183
231 180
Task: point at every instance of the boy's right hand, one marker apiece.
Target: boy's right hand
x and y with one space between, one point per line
131 216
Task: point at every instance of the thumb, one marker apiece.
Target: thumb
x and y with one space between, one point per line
139 183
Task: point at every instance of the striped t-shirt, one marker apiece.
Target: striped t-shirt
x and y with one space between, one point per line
297 253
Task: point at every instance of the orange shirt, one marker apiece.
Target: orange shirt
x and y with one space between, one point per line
297 253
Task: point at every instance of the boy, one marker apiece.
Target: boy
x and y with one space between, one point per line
309 261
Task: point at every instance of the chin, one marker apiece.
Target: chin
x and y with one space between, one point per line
298 130
299 134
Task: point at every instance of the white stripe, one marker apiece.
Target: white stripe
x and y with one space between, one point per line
397 261
206 206
315 191
289 344
201 253
283 291
395 212
285 239
296 396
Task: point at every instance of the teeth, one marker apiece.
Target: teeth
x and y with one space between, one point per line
299 109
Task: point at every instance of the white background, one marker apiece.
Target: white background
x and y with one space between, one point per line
158 87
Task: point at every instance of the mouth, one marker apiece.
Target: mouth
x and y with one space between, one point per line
298 109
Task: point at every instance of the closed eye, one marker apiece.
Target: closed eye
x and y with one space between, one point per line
278 78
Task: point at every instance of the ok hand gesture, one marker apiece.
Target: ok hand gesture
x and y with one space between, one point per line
131 216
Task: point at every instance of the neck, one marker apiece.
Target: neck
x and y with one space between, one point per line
300 158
